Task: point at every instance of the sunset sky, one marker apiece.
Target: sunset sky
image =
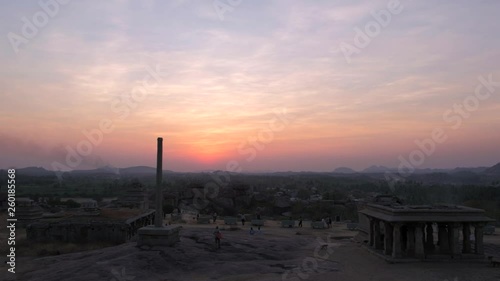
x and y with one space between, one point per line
265 83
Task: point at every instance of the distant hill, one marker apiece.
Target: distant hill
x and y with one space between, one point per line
138 170
495 170
376 169
34 171
477 170
102 170
344 170
431 171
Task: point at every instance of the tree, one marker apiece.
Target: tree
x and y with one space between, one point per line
304 194
167 208
72 204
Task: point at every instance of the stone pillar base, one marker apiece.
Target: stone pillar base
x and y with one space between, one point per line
158 236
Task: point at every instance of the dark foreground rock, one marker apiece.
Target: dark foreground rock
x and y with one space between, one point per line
194 258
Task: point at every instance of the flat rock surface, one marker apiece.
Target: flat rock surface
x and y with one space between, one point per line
277 254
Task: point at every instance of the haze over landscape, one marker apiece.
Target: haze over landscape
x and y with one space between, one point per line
267 85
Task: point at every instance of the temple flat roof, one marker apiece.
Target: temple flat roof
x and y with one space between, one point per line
425 213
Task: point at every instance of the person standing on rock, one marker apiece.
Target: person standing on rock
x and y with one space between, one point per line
242 219
218 236
300 221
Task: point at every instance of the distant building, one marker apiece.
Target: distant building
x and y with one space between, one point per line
136 196
316 197
89 205
27 211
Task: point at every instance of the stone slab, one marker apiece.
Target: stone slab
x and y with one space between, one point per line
258 222
352 226
288 223
231 220
318 224
158 236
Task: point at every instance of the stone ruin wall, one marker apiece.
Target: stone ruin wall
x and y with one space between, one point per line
82 232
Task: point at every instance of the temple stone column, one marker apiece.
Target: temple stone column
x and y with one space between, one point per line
453 231
419 241
378 240
410 247
396 241
444 247
466 233
159 193
429 241
158 234
371 232
388 238
478 235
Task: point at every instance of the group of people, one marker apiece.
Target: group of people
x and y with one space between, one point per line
328 221
253 232
242 217
218 234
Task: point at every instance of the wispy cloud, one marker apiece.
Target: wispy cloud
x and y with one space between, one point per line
225 78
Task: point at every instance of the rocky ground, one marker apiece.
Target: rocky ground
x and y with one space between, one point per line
276 254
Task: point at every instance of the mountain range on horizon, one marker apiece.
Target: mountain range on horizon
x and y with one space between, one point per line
145 170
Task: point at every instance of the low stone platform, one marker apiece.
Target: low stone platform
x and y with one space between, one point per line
352 226
231 220
258 222
318 225
158 236
204 219
288 223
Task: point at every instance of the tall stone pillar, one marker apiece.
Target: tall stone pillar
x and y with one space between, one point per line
478 235
396 241
410 248
453 231
466 233
429 241
378 240
388 238
419 241
371 232
159 175
444 247
158 234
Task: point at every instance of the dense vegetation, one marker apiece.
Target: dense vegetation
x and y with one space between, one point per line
336 188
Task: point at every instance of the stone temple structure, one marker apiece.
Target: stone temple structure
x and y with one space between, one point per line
422 232
27 211
136 196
